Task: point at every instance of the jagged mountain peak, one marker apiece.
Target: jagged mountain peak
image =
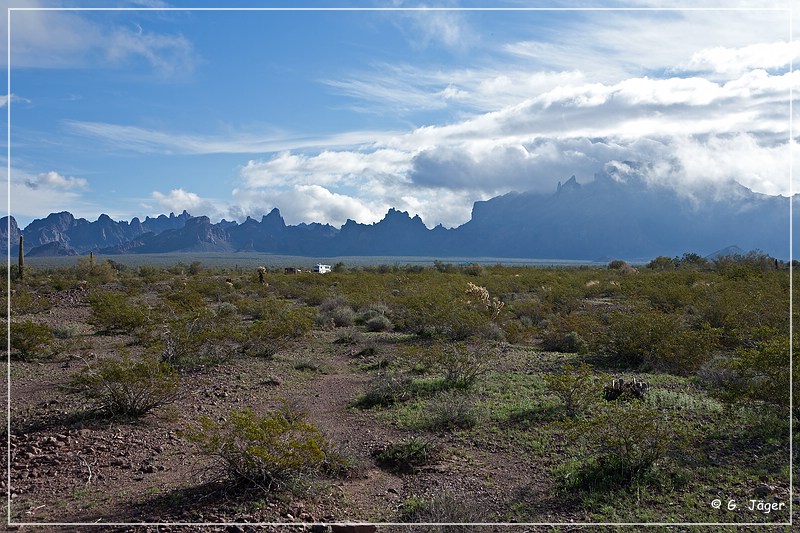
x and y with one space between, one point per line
608 217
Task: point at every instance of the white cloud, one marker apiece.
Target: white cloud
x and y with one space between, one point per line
64 39
54 181
732 61
327 167
306 203
168 54
4 99
36 195
449 29
147 140
178 200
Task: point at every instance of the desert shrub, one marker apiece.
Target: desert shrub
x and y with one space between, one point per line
448 411
339 316
660 340
151 274
463 364
386 389
662 263
113 311
269 451
349 336
198 338
440 509
531 310
403 456
30 340
195 268
128 386
373 310
436 313
578 387
217 290
88 269
761 372
570 342
274 330
307 365
572 333
342 316
460 364
378 323
617 264
473 269
66 331
620 445
184 298
23 302
226 309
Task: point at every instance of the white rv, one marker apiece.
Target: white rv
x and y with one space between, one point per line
322 269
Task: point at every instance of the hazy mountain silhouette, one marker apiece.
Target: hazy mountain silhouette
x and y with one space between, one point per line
614 216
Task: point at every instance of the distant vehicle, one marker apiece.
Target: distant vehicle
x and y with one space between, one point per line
291 270
322 269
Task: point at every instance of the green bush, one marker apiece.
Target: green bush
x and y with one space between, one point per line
570 342
31 340
269 451
384 390
620 445
374 310
114 312
128 386
378 323
25 303
88 269
463 364
435 311
274 329
449 411
340 316
578 387
660 340
199 338
403 456
441 509
761 372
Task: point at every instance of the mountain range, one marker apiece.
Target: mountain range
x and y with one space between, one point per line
614 216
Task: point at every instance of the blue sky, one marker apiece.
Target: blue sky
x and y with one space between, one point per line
330 115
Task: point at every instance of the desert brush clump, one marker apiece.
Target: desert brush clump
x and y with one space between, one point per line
448 410
30 340
198 338
24 302
386 389
620 445
281 322
440 509
269 451
127 386
336 312
115 312
459 364
578 387
405 455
